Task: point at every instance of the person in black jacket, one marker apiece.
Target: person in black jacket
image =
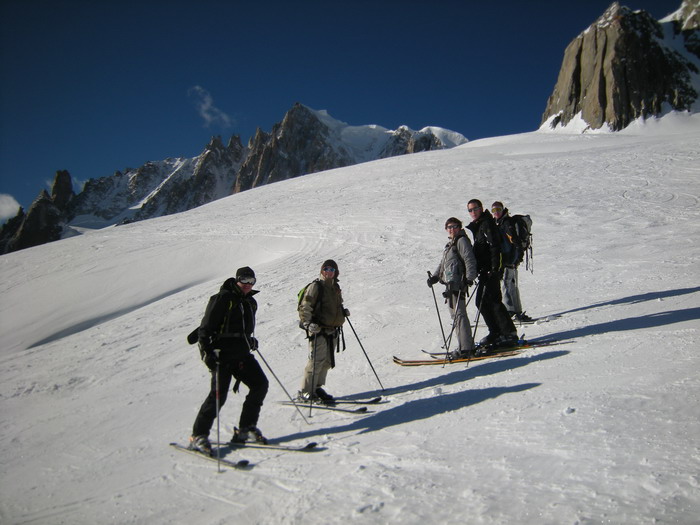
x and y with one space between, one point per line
487 250
226 340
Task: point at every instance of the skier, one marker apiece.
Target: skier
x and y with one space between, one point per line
509 284
321 314
226 341
487 250
457 271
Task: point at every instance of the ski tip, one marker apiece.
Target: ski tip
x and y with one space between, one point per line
311 445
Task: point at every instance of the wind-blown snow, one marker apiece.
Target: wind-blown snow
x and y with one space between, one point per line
97 377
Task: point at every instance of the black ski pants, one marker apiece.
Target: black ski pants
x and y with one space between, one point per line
495 315
244 369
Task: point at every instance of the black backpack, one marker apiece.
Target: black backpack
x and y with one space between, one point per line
523 231
193 336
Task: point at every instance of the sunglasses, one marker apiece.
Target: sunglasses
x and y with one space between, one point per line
452 227
247 280
496 210
329 269
472 210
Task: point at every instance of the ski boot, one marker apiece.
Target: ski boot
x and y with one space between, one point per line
248 434
325 397
201 444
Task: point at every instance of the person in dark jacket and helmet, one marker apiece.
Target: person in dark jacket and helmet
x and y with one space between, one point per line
457 271
487 250
226 341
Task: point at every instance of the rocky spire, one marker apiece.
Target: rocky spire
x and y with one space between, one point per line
620 69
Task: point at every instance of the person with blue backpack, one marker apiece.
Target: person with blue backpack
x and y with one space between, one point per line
513 253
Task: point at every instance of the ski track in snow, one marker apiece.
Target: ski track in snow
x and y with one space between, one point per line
97 377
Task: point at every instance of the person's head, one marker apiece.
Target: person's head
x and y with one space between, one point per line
452 226
245 279
329 269
497 209
475 209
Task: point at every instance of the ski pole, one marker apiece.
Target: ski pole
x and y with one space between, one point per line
278 382
313 374
478 313
437 309
363 350
454 323
449 339
218 408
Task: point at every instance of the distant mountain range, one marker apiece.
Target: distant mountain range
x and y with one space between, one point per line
625 66
306 141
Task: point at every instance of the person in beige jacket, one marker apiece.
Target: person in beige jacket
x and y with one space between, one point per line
321 314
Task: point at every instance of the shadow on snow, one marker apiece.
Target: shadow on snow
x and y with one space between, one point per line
632 323
419 409
634 299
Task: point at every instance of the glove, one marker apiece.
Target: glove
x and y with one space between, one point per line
208 356
346 312
313 328
253 343
432 280
204 348
470 282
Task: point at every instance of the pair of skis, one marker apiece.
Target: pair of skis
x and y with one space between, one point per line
244 464
312 446
441 358
336 408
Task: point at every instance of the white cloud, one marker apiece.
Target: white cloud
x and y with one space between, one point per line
8 206
207 110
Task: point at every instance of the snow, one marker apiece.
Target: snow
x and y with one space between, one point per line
367 142
97 378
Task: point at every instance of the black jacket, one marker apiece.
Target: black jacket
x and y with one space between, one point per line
487 243
229 320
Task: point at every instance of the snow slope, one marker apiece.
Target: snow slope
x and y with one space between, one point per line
97 377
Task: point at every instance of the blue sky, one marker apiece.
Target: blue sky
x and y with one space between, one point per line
98 86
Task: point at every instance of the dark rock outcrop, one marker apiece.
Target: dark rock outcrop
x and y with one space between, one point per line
624 66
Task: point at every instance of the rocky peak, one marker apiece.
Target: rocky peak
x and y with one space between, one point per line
62 190
688 16
619 69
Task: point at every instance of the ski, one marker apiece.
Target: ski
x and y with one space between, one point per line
240 464
537 320
359 410
437 361
489 352
308 447
373 401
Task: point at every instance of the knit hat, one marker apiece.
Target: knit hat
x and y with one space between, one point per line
246 271
332 264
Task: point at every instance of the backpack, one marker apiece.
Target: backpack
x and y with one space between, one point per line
523 229
300 297
509 252
193 336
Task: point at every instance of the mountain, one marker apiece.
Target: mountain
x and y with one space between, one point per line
627 65
306 141
97 378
